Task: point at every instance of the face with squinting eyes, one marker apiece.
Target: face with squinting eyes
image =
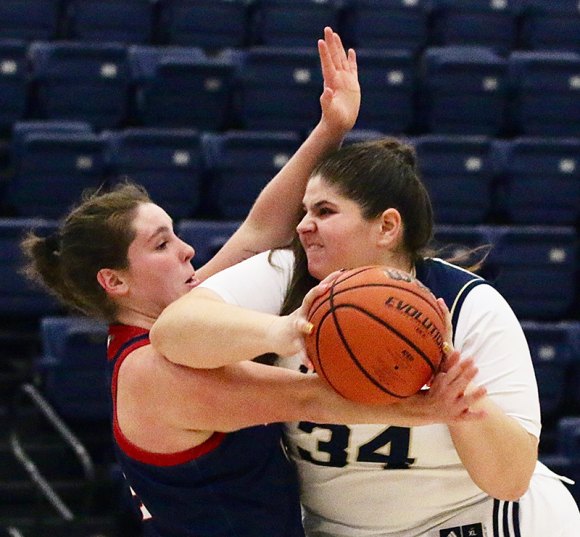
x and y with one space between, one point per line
334 233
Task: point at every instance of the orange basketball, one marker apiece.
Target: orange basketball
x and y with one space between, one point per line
378 335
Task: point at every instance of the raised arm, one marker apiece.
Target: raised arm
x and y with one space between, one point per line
272 219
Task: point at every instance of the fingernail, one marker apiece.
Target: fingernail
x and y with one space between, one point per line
308 328
446 347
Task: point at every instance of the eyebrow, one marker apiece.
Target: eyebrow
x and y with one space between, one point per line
319 204
158 231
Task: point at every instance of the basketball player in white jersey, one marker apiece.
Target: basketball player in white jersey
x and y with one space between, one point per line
365 205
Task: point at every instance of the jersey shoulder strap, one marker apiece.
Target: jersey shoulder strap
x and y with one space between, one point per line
449 282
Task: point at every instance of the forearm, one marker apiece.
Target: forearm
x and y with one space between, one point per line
499 454
202 332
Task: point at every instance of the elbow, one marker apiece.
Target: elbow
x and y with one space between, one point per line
159 337
508 485
509 491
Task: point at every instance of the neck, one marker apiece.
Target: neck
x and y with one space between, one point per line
136 318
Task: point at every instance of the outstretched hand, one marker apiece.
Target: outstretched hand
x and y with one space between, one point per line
340 99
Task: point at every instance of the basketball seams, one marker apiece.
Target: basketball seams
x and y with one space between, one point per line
389 327
348 350
417 294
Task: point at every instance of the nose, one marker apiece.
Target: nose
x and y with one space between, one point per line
188 252
305 225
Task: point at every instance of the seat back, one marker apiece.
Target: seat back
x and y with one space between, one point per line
62 162
73 367
206 236
167 162
539 180
14 82
120 21
279 88
81 81
387 24
292 23
183 87
210 24
463 90
536 269
19 298
488 23
458 172
544 93
240 164
550 25
551 350
388 83
29 19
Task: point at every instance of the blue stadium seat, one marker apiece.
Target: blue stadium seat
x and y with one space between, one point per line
14 82
488 23
550 25
167 162
569 437
21 129
29 19
387 79
574 380
206 236
60 163
210 24
540 180
362 135
545 93
387 24
18 297
183 86
536 269
121 21
279 88
292 23
82 81
463 90
241 163
551 349
73 367
458 172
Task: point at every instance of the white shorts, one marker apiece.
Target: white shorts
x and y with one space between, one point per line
547 509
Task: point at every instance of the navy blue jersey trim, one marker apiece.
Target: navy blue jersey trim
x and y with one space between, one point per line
129 343
506 526
460 298
516 518
502 513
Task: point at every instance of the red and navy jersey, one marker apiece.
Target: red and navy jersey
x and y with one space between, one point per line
238 484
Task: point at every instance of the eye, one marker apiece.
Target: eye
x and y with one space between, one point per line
162 245
324 211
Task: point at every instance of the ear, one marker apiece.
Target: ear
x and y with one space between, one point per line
391 228
112 282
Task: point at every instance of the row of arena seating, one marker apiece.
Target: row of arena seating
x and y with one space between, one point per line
535 267
409 24
447 90
193 174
